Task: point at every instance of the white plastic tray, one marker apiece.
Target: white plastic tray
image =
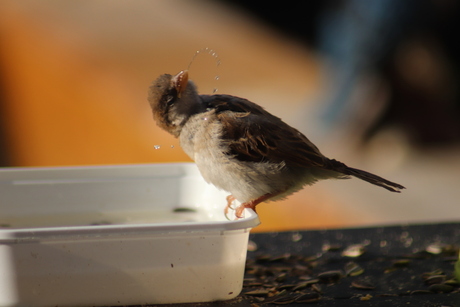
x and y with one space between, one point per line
117 235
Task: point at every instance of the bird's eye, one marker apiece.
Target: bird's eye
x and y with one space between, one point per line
169 99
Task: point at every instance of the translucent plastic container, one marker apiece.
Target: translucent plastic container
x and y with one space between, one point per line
117 235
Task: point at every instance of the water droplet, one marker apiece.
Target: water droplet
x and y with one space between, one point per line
172 146
213 54
205 118
214 90
157 146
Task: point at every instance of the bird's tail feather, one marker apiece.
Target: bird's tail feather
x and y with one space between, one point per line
366 176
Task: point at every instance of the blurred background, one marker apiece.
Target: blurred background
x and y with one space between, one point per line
374 84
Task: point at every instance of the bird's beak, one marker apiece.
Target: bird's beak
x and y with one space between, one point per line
179 81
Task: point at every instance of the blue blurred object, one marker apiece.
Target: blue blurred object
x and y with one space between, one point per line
356 36
390 64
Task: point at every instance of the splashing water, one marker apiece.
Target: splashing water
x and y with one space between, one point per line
211 53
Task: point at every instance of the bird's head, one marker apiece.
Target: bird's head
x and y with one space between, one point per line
173 100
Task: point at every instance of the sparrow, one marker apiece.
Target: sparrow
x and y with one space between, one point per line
240 147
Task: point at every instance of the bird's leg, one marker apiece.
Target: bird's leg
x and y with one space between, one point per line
252 204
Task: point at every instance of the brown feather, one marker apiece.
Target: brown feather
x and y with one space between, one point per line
245 132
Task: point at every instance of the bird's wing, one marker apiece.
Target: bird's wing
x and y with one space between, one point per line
255 135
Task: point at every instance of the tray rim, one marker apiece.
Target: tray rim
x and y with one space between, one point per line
33 234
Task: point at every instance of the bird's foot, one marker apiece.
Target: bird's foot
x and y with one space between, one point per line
250 205
238 210
230 200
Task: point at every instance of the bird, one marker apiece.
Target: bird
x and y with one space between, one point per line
241 148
